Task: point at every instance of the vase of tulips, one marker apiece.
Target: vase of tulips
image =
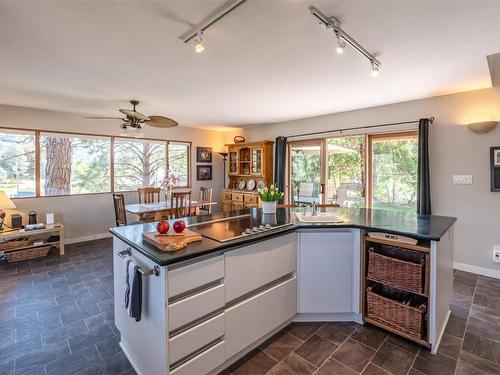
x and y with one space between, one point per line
269 197
168 182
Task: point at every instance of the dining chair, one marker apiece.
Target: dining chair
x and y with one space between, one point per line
148 195
206 194
180 206
120 213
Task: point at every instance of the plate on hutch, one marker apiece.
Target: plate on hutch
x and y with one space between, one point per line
261 184
241 184
251 184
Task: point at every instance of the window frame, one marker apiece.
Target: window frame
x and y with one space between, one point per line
367 165
37 133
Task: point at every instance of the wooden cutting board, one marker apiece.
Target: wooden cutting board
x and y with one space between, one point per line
171 241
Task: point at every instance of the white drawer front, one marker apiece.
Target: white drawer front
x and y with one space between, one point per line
195 338
194 307
202 363
189 277
251 319
259 264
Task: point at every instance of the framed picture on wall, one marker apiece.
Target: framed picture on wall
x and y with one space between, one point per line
495 168
204 154
203 172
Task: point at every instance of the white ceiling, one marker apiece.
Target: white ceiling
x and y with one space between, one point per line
267 61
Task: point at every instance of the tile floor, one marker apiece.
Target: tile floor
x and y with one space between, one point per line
56 317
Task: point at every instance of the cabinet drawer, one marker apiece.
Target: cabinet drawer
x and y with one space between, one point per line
237 206
253 318
226 195
184 279
250 205
247 198
194 307
203 363
195 338
254 266
237 197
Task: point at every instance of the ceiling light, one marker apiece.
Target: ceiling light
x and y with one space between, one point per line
375 70
198 44
340 46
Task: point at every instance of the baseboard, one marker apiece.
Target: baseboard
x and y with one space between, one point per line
477 270
328 317
92 237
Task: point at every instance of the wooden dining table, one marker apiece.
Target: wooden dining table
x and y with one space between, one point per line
164 207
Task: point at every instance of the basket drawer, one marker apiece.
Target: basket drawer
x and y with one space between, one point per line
398 273
402 317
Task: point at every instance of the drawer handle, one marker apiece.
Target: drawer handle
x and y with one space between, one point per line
153 271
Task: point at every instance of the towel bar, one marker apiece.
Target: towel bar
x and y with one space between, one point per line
153 271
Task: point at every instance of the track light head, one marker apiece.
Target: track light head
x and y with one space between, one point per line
340 46
198 43
375 70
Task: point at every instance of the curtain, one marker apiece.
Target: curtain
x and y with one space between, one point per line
280 164
423 172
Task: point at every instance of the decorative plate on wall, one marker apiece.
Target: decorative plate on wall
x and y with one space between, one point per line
241 184
239 139
251 184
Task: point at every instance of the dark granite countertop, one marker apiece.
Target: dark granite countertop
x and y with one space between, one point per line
422 227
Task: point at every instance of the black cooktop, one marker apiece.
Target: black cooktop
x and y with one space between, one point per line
231 228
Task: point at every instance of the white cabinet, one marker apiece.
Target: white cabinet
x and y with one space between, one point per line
253 318
254 266
328 271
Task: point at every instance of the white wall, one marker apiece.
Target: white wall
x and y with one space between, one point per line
453 150
90 216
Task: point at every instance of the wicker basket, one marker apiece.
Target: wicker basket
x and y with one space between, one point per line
398 273
404 318
35 252
16 243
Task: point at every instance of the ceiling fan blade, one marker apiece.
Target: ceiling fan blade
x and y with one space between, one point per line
102 118
134 114
161 122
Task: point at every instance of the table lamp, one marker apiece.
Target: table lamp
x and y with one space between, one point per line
5 204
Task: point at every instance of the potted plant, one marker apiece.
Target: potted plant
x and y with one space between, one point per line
168 183
269 197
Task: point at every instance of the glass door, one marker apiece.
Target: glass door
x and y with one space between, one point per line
257 161
307 172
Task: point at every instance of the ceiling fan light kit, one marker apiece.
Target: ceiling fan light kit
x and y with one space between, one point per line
134 121
333 24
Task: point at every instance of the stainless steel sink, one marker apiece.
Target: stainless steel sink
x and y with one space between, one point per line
320 217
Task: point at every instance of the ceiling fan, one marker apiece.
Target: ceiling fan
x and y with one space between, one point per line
136 120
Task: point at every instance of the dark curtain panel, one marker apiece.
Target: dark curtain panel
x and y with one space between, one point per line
280 163
423 173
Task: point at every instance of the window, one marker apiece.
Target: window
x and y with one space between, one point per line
139 163
178 161
17 163
378 171
74 164
394 171
346 171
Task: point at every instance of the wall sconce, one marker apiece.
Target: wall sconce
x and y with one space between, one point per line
482 127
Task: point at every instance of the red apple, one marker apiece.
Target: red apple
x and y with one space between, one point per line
162 227
179 226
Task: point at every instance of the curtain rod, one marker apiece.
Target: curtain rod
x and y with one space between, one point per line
431 120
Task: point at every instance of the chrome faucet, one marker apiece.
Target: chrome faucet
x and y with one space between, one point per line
314 207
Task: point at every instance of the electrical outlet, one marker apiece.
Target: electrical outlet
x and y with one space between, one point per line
496 254
462 179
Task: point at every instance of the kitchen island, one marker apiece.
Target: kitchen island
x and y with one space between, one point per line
207 305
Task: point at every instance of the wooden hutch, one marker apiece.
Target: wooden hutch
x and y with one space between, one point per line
245 162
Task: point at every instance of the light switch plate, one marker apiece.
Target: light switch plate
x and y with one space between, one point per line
462 179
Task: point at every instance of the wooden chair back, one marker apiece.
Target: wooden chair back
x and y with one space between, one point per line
180 203
328 205
149 195
206 194
120 213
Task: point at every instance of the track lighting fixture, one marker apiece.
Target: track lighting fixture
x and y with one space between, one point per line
198 43
333 24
